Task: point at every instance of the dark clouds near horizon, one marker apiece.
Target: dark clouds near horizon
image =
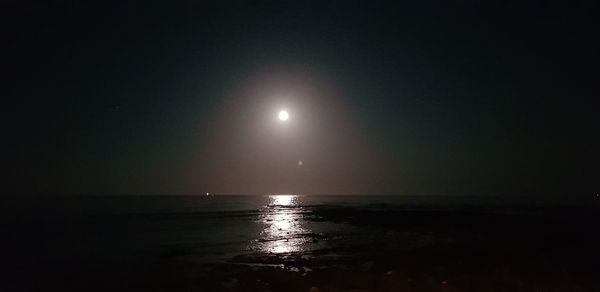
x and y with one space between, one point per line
424 97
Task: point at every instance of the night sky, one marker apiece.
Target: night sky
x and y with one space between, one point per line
426 97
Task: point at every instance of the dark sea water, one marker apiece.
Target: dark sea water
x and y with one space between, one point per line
132 235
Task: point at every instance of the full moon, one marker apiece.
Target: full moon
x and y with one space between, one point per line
283 115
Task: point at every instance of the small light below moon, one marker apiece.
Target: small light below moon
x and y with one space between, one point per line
300 163
283 116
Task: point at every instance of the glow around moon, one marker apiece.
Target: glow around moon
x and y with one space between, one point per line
283 115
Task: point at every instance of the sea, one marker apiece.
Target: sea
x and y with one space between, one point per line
133 232
210 227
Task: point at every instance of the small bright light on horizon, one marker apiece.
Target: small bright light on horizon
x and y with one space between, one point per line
283 116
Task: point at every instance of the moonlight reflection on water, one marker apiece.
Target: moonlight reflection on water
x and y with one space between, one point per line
284 230
283 200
